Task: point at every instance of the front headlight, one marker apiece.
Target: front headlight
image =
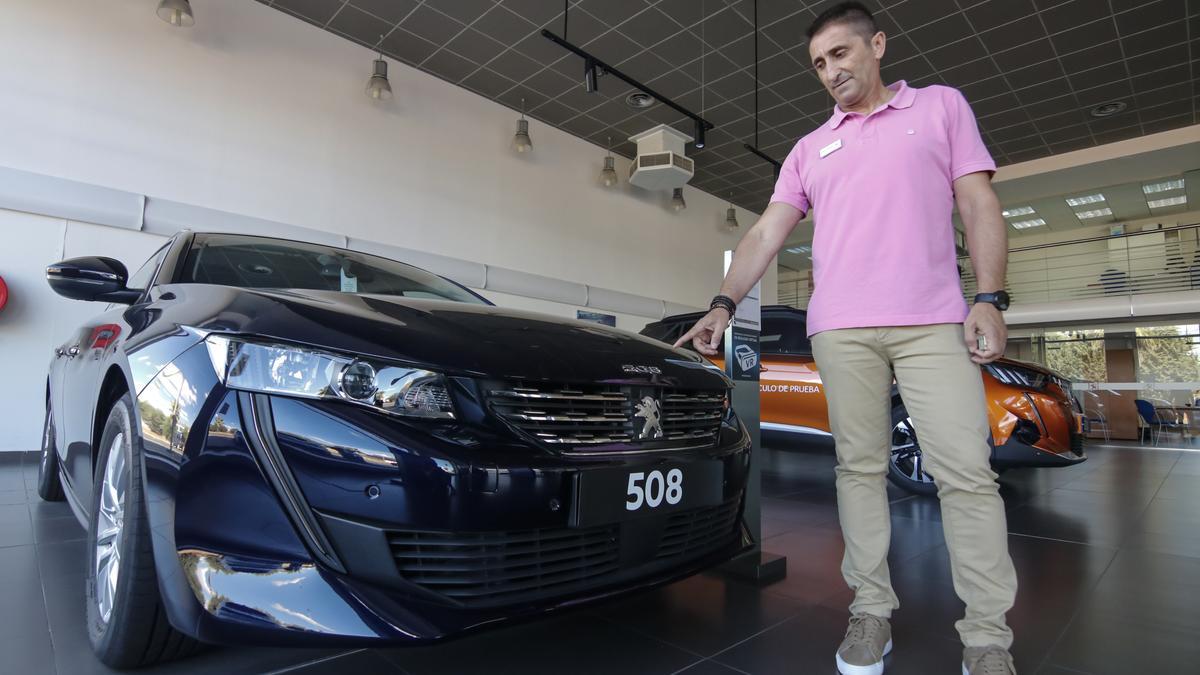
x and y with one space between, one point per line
274 368
1016 376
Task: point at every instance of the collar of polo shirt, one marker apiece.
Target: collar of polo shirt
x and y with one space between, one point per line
903 99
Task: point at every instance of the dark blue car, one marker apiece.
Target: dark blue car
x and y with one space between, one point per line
275 442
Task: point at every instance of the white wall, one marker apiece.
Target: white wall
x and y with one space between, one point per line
257 113
35 320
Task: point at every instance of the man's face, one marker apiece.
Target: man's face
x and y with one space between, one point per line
846 62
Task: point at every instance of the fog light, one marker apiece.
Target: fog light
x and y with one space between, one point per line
1027 432
358 380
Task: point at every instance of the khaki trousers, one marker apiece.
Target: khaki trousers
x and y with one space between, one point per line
943 393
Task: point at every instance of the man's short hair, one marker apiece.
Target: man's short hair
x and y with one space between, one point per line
851 13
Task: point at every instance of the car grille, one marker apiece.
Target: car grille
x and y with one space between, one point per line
1076 443
601 415
485 567
496 568
693 532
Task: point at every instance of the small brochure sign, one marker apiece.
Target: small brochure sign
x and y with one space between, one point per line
596 317
743 334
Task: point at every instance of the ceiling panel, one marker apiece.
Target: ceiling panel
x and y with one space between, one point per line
1032 69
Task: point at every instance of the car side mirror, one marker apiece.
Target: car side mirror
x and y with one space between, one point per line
92 278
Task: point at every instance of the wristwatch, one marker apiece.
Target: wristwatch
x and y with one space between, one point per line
999 299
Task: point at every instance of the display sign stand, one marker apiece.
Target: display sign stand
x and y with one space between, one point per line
742 365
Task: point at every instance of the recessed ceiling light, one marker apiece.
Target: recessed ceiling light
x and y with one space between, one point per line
1026 224
639 100
1109 109
1169 201
1086 199
1019 211
1084 215
1163 186
799 250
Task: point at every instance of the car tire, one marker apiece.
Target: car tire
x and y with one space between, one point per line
905 459
49 486
126 622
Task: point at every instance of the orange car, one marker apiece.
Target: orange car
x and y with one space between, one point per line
1035 421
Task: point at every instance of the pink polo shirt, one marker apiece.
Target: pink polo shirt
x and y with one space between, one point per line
882 191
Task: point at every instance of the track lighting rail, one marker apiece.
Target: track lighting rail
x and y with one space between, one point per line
594 66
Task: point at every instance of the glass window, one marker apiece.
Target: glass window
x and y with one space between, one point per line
780 335
681 328
1168 364
665 331
1125 376
784 335
141 278
1077 354
770 340
260 262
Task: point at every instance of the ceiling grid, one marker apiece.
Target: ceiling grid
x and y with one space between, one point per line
1031 69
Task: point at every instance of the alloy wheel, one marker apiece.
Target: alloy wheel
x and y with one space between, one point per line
110 525
906 452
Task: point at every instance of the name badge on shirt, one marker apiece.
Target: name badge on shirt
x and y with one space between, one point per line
832 147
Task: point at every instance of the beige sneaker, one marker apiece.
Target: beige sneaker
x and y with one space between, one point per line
868 640
990 660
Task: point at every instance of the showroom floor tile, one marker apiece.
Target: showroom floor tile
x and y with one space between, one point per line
1107 553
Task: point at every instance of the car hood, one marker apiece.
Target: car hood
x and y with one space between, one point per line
1032 366
452 337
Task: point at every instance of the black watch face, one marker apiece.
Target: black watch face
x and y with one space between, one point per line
999 299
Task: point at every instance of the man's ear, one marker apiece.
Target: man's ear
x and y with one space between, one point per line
878 44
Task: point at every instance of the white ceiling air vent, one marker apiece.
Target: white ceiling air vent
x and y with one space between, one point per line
660 163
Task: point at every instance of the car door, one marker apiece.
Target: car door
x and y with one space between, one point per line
62 355
791 391
84 366
81 377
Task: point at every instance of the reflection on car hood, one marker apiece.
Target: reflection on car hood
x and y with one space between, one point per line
453 337
1037 367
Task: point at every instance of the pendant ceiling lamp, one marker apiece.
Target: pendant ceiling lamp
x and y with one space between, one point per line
677 202
608 175
378 87
521 140
731 215
178 13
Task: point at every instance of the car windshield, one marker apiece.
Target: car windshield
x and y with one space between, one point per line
260 262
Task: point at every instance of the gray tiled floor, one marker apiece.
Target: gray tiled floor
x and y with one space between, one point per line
1108 555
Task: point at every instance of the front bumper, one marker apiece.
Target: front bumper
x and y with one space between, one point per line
1038 430
307 523
1016 453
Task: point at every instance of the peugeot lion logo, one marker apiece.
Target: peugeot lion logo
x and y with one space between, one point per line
649 410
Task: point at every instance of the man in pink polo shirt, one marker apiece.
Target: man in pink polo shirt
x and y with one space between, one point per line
882 177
